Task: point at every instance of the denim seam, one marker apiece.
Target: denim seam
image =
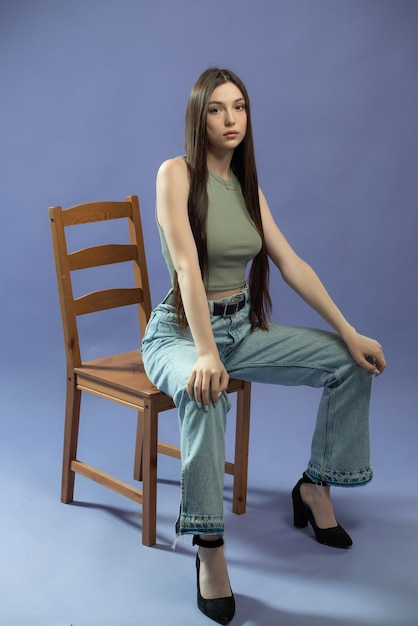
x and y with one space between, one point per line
302 365
328 434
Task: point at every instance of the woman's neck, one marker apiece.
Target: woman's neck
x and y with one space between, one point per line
220 165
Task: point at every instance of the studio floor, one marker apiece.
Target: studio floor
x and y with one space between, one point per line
84 564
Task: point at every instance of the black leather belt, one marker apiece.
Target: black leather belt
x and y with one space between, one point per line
228 309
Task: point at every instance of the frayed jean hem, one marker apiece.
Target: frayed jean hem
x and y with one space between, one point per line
335 478
200 525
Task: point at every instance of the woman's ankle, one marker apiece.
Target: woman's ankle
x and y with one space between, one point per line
318 499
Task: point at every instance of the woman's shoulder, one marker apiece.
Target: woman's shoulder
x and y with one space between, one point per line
173 168
173 178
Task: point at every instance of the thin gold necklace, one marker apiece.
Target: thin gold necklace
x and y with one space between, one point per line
228 184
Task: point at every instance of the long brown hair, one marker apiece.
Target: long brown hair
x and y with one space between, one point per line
244 168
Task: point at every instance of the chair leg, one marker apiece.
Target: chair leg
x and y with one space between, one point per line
139 447
72 420
242 435
149 476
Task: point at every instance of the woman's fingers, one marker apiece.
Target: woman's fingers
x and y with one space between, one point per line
206 386
369 354
218 384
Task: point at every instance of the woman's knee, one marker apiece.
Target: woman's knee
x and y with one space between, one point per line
212 417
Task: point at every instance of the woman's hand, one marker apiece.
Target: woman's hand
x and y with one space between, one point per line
207 380
366 351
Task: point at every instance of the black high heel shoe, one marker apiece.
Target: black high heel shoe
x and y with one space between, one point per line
221 610
335 537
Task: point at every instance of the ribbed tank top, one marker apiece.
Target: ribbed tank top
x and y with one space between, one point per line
232 237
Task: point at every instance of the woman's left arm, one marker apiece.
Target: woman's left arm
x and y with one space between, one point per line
300 276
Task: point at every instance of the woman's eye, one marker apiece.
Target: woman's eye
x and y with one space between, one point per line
214 110
240 107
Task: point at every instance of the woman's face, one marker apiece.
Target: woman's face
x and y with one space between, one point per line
226 120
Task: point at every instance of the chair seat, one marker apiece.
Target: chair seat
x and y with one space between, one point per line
121 377
124 374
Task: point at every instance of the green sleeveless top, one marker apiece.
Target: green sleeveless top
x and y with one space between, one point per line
232 237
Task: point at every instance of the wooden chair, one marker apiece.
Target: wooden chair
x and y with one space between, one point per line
121 377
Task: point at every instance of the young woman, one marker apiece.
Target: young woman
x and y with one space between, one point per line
213 220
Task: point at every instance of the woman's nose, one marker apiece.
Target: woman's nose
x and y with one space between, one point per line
229 119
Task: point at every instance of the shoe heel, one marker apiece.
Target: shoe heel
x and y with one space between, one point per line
299 518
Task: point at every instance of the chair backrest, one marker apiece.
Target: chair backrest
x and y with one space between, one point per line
98 255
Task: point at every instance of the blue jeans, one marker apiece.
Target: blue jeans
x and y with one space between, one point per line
282 355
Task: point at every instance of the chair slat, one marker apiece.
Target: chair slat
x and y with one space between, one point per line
96 212
106 299
101 255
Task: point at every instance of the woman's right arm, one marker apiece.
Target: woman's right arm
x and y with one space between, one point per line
208 377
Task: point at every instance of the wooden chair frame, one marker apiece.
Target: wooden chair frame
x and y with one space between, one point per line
121 377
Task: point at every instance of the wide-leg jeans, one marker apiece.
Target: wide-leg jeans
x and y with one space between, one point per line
282 355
